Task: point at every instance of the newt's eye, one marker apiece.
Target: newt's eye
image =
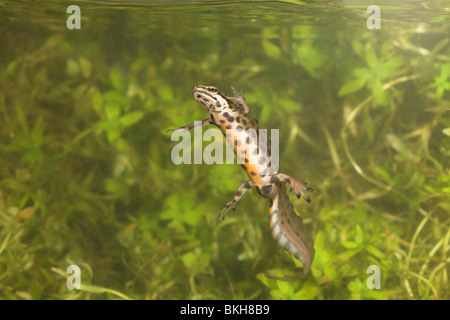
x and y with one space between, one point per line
213 89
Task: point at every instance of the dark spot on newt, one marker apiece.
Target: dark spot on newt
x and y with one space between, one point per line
274 179
228 117
267 190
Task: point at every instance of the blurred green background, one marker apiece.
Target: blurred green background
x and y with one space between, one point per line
86 176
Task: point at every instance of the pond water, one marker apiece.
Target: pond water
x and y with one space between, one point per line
360 95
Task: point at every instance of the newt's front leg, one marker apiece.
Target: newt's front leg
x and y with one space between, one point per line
237 196
299 188
193 125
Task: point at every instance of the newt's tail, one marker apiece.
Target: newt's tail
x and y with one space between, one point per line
289 231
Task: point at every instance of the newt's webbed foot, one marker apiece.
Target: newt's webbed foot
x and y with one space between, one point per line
237 196
226 208
300 190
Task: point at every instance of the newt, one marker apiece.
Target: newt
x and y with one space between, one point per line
231 115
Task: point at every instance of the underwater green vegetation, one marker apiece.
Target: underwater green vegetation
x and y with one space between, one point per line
86 176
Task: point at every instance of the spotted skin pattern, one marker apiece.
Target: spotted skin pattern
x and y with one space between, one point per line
231 115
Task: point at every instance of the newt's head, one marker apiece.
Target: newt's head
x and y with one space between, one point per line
210 98
215 101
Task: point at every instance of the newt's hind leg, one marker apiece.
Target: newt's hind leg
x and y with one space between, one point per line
237 196
299 188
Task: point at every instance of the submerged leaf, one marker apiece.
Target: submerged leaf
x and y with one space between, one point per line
271 49
131 118
351 87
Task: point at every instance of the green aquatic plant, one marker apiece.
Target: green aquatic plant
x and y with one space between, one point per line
86 176
442 81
